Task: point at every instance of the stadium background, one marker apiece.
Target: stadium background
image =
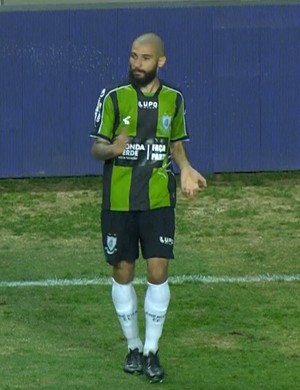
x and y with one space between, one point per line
237 63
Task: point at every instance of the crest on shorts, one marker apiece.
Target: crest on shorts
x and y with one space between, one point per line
166 122
111 244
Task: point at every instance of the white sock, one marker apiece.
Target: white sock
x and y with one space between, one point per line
125 302
156 305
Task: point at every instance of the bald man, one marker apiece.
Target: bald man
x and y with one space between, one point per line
139 129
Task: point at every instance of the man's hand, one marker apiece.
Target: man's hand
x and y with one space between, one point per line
104 150
191 181
120 142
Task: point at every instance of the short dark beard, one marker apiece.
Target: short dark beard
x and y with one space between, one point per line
142 82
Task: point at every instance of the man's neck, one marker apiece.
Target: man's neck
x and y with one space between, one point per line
151 87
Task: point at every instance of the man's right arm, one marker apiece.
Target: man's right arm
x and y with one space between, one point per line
104 150
104 147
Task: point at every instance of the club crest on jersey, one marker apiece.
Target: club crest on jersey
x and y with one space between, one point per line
166 122
111 244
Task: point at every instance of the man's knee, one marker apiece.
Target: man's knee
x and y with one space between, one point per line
123 272
157 270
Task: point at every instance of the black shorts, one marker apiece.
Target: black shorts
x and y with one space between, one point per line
123 232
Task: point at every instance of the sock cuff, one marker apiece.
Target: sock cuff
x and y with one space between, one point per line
158 285
121 285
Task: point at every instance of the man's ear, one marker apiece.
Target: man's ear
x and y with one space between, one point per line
161 61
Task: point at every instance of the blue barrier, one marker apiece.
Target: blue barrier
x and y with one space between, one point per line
237 66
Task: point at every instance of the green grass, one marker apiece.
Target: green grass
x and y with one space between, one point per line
216 336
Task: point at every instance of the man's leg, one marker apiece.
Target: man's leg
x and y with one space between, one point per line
125 303
120 241
157 300
157 228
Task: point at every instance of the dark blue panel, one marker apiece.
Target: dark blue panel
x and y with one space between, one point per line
236 99
280 96
237 66
94 63
275 16
11 114
259 62
46 94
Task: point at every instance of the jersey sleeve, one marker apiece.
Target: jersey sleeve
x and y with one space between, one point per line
104 117
179 130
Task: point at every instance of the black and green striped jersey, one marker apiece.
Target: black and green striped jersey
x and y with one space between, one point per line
142 177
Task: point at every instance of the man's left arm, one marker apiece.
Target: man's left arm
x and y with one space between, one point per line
191 180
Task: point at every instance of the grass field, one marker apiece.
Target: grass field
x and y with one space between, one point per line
241 334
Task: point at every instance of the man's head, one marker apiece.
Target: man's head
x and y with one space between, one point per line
146 57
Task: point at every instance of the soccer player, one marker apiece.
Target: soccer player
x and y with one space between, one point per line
139 128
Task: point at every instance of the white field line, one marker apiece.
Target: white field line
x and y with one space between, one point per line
104 281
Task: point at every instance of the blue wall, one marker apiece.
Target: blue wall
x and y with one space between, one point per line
239 68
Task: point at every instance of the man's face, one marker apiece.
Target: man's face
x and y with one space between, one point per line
143 64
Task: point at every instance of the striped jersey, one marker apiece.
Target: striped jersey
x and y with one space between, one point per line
142 177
